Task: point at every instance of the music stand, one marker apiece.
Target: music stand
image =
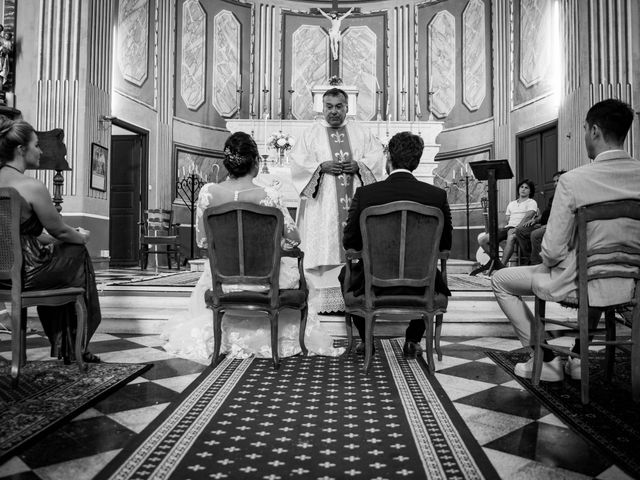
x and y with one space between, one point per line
492 171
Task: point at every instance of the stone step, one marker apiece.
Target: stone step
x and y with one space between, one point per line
127 310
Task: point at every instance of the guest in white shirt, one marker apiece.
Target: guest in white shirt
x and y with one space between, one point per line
519 211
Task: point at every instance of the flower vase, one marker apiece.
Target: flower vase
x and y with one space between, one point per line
280 159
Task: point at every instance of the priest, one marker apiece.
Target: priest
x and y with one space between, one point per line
332 158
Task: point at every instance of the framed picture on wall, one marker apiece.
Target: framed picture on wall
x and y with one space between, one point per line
98 167
200 163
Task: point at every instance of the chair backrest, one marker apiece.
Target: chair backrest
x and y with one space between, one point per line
400 245
620 261
243 240
158 222
10 246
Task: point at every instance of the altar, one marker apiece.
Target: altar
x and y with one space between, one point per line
280 175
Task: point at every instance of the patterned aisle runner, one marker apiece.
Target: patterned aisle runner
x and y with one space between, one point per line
316 417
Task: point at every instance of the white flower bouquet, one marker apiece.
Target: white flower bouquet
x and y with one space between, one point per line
280 141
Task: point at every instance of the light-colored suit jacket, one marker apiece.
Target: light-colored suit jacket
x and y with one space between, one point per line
613 175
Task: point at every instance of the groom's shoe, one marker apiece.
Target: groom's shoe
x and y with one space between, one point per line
411 349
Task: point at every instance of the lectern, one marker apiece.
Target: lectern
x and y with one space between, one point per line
492 171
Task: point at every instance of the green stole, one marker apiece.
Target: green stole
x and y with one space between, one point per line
341 151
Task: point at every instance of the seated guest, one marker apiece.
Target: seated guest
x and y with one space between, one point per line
404 152
56 258
519 212
530 233
613 175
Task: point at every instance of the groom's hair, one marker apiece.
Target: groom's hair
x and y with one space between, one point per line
405 150
336 92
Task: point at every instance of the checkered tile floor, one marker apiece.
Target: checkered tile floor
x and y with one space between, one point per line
521 438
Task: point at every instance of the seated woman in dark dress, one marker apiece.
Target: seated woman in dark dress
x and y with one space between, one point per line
55 258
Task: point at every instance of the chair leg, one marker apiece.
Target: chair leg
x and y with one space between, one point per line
428 319
23 337
17 313
537 337
610 324
274 339
81 332
349 325
303 327
438 332
176 253
583 325
369 322
217 335
169 257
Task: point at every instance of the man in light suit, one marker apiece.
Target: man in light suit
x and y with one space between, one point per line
612 175
405 150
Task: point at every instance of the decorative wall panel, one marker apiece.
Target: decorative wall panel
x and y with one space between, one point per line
474 62
441 34
310 58
192 79
133 35
226 63
358 67
535 33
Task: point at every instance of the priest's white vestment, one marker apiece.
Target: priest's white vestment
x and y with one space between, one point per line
320 208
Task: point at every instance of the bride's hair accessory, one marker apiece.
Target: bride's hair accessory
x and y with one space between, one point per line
233 159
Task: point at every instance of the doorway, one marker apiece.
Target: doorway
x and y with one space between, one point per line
127 197
538 161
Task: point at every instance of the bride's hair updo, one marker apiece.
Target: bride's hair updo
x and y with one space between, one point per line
240 154
12 134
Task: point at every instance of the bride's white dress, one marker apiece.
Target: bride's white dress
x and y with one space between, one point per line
244 334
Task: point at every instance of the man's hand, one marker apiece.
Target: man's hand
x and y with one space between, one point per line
528 223
350 167
330 167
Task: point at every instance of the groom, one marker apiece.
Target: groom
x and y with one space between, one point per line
404 152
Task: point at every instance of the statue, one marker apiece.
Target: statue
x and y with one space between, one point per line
334 32
6 52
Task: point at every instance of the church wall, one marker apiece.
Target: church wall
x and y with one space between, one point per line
63 81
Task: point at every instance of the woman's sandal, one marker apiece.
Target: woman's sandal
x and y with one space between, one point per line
89 357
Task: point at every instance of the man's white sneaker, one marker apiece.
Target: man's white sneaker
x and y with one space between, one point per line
551 371
572 368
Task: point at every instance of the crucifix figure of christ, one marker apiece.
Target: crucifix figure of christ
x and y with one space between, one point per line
335 36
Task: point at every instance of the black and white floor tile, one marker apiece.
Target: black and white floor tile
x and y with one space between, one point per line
521 438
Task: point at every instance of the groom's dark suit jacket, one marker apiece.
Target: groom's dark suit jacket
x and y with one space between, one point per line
398 186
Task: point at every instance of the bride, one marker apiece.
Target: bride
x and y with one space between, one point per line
243 334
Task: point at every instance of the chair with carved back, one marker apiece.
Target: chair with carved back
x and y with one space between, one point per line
157 230
11 261
400 249
244 245
617 261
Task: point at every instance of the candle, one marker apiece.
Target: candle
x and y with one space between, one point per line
466 169
266 115
418 111
377 85
239 82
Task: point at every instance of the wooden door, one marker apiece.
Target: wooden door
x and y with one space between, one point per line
125 200
538 161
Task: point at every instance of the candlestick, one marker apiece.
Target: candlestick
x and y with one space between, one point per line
266 116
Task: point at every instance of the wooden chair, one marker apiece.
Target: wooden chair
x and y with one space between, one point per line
11 270
619 260
158 229
244 249
400 248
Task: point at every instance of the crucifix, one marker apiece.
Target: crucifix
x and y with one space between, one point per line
335 35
